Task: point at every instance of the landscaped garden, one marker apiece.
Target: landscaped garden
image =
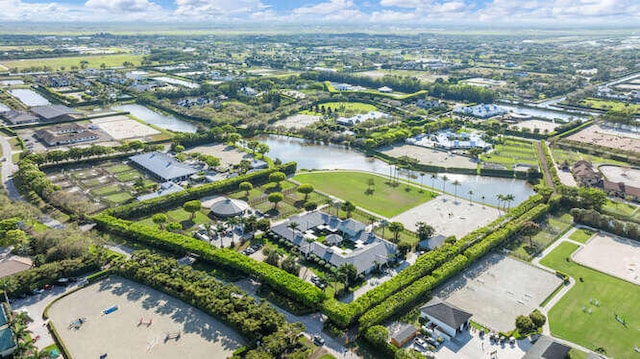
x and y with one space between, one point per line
599 312
551 227
368 191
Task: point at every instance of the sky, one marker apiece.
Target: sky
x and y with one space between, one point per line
427 12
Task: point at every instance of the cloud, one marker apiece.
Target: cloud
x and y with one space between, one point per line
204 9
122 6
414 4
13 10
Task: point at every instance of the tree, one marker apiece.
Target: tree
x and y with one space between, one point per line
538 318
289 265
262 149
160 219
524 324
529 229
396 228
273 258
444 182
348 207
422 174
500 198
456 184
470 193
192 207
384 224
246 187
275 198
424 231
174 227
293 226
233 138
277 177
348 272
509 198
370 183
178 148
306 189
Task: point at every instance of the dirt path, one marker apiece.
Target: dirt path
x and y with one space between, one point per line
544 165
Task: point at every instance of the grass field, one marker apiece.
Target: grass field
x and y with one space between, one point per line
349 108
118 168
581 235
102 191
128 176
118 198
622 210
551 227
385 200
560 155
609 105
57 63
512 152
569 318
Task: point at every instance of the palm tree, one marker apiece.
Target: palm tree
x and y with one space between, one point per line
470 193
396 228
422 174
500 198
509 198
384 224
293 226
433 179
482 200
444 182
455 184
348 207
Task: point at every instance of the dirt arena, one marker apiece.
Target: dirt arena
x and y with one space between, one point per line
297 121
617 256
228 155
122 127
608 137
429 156
119 334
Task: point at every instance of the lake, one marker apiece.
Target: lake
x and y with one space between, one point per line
29 97
310 156
156 118
544 113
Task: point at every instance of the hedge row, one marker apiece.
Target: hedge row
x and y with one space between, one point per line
418 290
278 279
154 205
552 169
344 314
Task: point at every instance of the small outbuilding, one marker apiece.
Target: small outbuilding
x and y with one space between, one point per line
447 318
546 348
228 207
403 335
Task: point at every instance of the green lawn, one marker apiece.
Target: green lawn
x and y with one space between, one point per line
581 235
118 198
569 318
102 191
119 168
385 200
512 152
57 62
348 108
91 183
622 210
128 176
560 155
609 105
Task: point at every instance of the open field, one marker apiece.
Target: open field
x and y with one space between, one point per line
119 334
608 137
581 235
449 216
348 108
512 152
383 199
57 63
561 155
577 316
549 126
550 228
122 127
228 155
423 76
429 156
611 254
497 289
600 104
298 121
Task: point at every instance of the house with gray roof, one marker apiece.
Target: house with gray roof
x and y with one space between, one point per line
163 167
345 241
55 113
446 318
19 117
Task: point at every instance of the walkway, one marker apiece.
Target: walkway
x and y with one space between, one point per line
545 165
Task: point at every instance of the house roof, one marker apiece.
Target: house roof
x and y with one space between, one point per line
448 314
17 117
51 112
165 189
229 207
163 166
546 348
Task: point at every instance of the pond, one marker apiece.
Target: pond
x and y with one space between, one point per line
4 108
544 113
156 118
310 155
29 97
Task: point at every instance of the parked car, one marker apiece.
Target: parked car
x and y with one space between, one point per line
318 340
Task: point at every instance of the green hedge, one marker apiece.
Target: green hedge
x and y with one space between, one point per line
283 282
154 205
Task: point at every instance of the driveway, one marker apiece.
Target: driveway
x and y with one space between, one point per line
8 169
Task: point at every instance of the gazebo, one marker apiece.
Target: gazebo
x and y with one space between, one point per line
228 207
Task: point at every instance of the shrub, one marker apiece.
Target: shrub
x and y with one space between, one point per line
538 318
524 324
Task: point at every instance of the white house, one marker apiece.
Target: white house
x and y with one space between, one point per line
445 318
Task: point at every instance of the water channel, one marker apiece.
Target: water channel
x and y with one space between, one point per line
310 155
156 118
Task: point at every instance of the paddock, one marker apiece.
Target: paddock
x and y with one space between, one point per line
121 127
616 256
124 319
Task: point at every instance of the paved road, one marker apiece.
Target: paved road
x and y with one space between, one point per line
8 169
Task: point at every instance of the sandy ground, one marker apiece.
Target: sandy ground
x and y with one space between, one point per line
630 176
542 125
429 156
628 86
611 254
608 137
497 289
119 335
297 121
449 216
228 155
122 127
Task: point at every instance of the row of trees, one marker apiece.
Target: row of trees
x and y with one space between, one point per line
78 153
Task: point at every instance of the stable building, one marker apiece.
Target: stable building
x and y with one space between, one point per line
445 318
55 113
65 135
19 117
162 167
